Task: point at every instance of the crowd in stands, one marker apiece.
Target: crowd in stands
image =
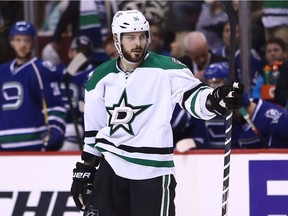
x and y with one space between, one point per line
197 33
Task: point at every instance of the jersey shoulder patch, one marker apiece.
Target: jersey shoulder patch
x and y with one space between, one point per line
164 62
49 65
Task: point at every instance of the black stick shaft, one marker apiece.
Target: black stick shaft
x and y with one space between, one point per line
232 21
73 115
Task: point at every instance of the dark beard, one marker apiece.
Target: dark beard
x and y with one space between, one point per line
25 58
135 59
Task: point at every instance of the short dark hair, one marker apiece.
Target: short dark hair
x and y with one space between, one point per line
83 44
278 41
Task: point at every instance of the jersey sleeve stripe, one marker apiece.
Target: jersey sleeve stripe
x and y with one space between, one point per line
92 133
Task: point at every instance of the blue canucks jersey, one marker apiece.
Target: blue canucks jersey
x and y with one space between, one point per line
272 122
76 91
30 106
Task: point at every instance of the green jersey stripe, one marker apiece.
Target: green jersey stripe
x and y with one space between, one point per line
89 19
143 162
21 137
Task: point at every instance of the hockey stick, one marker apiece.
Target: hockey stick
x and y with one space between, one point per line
44 106
72 68
246 116
231 13
185 145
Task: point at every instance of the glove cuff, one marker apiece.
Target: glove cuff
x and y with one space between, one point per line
208 103
83 166
213 105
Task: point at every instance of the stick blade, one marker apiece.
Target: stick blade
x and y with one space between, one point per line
185 144
76 63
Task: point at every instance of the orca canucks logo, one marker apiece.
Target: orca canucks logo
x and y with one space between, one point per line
273 114
122 114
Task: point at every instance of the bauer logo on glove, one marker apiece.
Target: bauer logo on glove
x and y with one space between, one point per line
83 178
81 175
225 97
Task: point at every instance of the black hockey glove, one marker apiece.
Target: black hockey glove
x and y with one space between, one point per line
81 189
225 97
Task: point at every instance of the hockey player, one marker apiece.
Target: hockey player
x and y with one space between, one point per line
32 114
72 90
128 106
216 75
271 122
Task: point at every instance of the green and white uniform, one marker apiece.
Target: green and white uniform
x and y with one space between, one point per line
131 112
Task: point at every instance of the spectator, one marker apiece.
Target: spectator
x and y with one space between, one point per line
90 18
177 48
281 90
128 106
72 91
198 56
256 63
109 47
210 23
257 28
182 16
32 115
157 39
53 11
275 19
275 50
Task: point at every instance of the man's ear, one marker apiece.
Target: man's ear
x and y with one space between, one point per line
11 43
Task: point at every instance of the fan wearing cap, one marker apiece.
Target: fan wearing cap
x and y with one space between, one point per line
72 90
32 114
216 75
129 103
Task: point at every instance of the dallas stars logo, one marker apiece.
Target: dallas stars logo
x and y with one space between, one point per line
121 115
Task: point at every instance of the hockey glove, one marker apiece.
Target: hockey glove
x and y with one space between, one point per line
53 140
81 189
225 97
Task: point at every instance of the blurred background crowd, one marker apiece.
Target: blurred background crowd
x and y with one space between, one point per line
197 33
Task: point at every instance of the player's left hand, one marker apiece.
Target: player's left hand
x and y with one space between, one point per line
226 97
81 189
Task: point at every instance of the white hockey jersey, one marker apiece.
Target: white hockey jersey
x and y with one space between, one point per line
127 115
